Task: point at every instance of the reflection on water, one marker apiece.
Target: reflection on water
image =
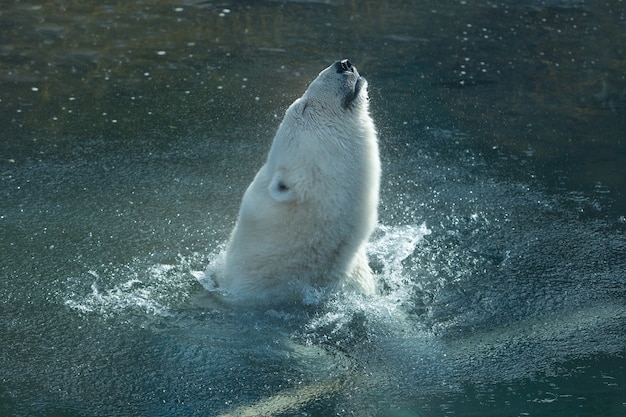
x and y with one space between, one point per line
130 131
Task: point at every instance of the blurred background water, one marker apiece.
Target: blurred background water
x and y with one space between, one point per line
131 129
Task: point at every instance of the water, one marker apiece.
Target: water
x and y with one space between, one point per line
130 131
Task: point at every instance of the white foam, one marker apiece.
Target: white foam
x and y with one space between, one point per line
154 290
131 294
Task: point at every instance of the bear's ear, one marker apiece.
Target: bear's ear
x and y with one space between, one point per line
279 190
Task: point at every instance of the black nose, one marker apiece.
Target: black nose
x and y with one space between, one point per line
343 66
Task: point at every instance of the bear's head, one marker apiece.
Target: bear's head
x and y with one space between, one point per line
338 88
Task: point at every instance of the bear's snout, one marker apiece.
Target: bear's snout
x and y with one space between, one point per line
344 66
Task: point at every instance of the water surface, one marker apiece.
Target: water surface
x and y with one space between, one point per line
130 131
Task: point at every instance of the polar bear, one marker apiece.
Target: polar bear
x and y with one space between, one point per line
306 218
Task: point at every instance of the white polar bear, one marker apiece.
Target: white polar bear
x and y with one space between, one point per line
306 218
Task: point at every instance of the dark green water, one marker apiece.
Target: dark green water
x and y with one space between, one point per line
130 130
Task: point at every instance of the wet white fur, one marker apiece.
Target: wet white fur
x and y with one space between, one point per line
306 218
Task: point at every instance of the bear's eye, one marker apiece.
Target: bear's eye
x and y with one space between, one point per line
282 187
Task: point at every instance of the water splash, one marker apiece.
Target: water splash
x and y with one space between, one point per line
133 294
391 247
388 250
138 289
